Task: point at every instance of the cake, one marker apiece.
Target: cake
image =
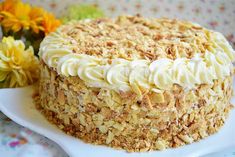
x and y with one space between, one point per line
136 83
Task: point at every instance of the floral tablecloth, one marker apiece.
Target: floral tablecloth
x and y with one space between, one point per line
17 141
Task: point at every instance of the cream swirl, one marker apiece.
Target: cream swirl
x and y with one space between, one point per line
221 44
138 75
161 73
182 74
117 74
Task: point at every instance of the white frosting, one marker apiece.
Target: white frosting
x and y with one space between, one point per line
161 73
124 75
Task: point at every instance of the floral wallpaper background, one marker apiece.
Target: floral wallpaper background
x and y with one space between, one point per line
17 141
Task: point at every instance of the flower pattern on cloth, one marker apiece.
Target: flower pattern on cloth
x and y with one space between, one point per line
17 141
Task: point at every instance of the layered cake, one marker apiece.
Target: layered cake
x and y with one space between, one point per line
135 83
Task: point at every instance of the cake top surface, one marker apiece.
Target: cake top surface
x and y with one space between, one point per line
139 54
134 37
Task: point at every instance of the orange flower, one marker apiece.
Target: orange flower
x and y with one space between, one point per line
8 5
36 16
49 23
17 15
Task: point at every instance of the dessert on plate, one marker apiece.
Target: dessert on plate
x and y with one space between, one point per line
135 83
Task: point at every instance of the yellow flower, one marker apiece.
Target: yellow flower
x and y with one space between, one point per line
16 15
49 23
18 66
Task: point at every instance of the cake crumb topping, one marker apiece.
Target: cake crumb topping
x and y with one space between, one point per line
135 37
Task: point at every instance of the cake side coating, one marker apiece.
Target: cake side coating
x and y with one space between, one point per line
120 120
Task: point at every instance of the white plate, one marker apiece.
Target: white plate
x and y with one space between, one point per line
17 104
